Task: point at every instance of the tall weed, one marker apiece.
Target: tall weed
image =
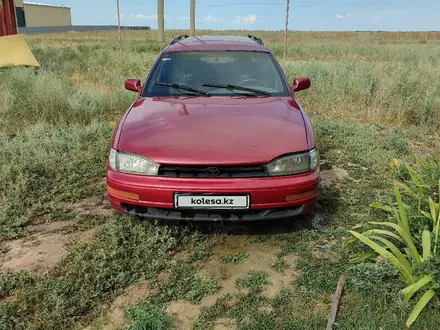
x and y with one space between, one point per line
410 246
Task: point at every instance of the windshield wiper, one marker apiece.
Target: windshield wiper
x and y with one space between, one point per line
237 87
180 87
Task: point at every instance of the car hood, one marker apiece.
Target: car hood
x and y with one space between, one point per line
213 130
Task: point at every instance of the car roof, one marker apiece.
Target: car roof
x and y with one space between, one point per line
185 43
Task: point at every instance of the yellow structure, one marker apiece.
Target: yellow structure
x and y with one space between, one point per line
15 51
38 14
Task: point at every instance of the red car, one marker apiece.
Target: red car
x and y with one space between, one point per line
215 133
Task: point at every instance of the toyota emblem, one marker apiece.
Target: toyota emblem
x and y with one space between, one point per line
213 171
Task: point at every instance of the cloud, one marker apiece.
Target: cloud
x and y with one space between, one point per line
147 17
251 19
343 16
376 19
184 18
142 16
210 18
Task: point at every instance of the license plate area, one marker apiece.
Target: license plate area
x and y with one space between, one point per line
212 201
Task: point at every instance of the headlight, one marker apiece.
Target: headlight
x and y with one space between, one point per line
132 163
294 164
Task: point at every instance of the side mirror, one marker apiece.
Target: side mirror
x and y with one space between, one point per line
133 85
300 83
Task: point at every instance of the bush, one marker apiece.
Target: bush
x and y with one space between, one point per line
31 97
33 170
148 316
409 245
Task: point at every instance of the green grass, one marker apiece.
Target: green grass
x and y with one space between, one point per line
373 98
148 316
253 311
238 258
255 280
185 283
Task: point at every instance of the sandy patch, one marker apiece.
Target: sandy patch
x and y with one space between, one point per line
225 324
133 294
333 176
183 313
47 227
92 206
261 257
41 251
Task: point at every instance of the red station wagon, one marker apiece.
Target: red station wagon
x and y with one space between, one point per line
215 133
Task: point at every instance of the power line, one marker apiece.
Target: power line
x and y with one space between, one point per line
308 4
327 5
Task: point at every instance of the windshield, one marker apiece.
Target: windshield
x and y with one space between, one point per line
205 70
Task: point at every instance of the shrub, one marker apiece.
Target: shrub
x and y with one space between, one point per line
147 316
409 245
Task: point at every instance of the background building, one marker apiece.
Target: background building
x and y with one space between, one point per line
30 14
32 17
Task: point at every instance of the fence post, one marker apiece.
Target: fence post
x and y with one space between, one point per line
285 34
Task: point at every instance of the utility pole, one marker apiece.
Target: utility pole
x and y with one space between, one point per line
193 17
119 29
160 20
285 34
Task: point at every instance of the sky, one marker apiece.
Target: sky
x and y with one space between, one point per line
308 15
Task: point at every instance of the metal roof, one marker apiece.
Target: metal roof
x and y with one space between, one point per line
43 4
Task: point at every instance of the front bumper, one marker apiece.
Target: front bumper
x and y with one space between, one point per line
268 196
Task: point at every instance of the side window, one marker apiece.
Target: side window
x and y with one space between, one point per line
160 73
164 70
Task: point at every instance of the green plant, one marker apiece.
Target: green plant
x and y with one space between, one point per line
11 281
237 258
420 183
280 265
415 256
148 316
254 281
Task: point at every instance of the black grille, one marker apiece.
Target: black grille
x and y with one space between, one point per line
212 215
242 171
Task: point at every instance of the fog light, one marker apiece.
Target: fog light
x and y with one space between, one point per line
122 194
299 196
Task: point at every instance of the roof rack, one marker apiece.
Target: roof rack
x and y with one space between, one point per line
177 39
256 39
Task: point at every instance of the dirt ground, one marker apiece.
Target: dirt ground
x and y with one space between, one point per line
41 251
46 244
260 257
